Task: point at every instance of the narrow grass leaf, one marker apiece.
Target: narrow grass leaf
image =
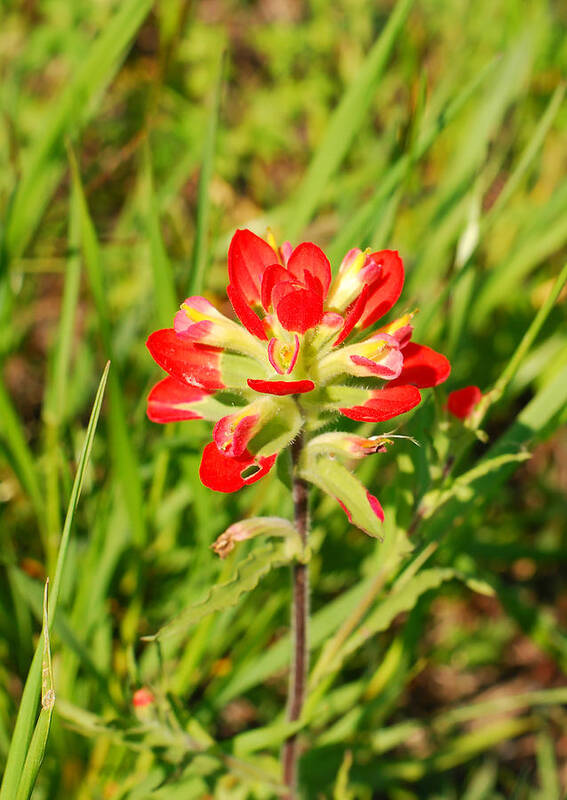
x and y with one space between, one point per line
56 390
354 228
58 375
25 720
446 720
463 487
464 748
43 165
545 234
164 285
527 340
396 602
124 457
449 214
200 246
532 148
481 784
345 122
36 752
21 458
533 423
548 773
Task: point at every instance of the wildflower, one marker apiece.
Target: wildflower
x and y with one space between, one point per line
298 359
462 402
142 698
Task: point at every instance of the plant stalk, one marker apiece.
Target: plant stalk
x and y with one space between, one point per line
300 620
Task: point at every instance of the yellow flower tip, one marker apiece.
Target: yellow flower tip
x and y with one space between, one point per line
271 239
193 314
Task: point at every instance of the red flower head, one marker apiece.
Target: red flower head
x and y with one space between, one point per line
143 698
291 364
462 402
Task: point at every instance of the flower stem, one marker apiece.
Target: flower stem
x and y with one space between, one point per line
300 619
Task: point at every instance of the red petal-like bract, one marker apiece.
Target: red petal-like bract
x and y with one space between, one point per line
385 404
375 506
385 290
388 367
308 259
461 402
300 309
273 275
231 435
344 508
248 257
169 401
193 364
423 367
249 319
353 314
281 387
373 502
224 474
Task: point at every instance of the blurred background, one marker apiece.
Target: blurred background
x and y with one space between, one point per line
135 136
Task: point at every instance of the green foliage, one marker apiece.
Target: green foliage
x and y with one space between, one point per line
225 595
130 149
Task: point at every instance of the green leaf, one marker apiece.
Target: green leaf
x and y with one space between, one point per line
355 228
502 458
25 721
524 346
463 487
338 482
340 789
124 456
225 595
21 458
345 122
549 776
36 751
481 784
544 233
395 603
42 167
164 285
200 247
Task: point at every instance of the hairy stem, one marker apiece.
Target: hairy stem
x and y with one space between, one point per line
300 619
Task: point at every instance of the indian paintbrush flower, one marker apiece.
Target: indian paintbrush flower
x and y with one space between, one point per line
298 359
462 402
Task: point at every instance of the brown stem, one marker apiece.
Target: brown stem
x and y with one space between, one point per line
300 618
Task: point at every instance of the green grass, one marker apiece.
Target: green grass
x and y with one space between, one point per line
130 150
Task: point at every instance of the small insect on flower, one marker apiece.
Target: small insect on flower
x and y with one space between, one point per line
293 362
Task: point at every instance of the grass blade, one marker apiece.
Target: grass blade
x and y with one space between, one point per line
43 166
22 459
200 247
164 284
352 232
122 450
529 153
344 123
27 712
527 341
36 752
